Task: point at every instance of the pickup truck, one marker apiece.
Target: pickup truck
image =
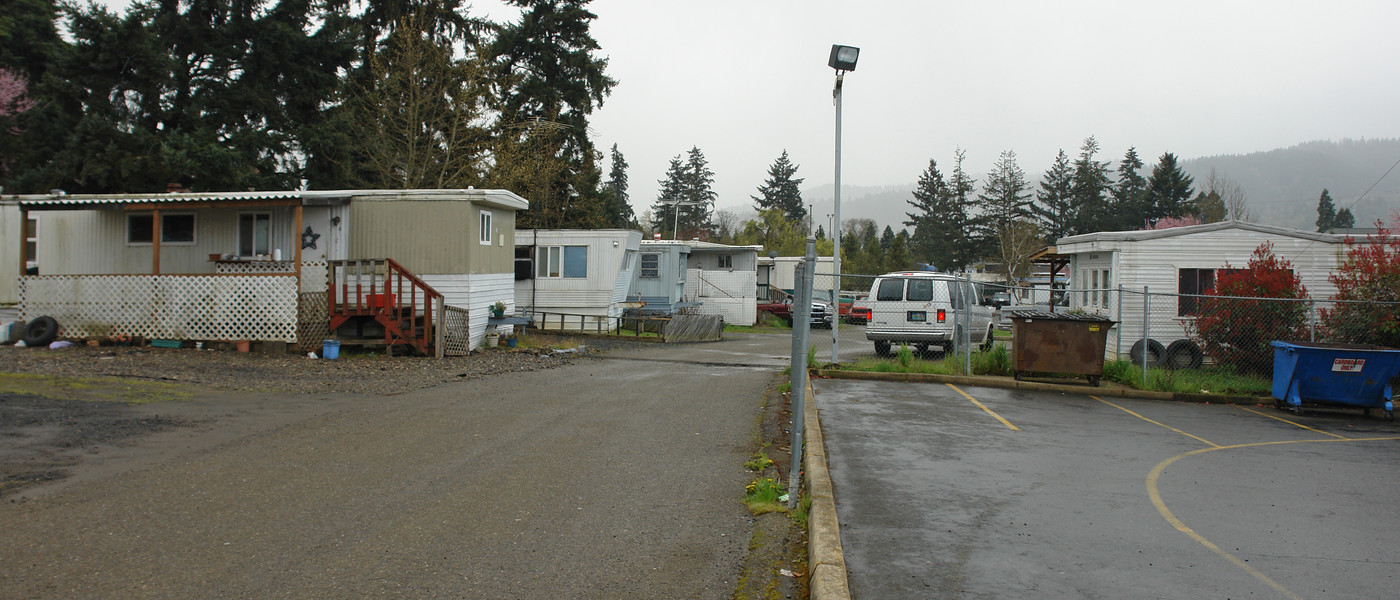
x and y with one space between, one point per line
821 311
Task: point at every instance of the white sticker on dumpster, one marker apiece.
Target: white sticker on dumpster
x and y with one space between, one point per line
1348 365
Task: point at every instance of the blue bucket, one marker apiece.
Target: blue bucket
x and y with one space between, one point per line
330 349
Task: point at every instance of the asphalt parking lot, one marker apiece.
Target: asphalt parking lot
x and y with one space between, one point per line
977 492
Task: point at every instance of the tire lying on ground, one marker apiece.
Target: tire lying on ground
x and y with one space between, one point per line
1156 352
40 331
1183 354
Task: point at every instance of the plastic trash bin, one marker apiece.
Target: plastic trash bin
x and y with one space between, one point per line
1335 374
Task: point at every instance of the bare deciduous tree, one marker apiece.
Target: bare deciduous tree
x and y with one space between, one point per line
1230 192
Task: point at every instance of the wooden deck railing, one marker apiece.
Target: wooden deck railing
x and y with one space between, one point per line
383 289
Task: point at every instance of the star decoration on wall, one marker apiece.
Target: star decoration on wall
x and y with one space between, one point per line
308 238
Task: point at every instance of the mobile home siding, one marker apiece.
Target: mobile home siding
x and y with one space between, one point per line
398 229
94 242
10 241
597 293
1156 263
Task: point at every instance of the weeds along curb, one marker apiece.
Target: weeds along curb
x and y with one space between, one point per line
1010 383
826 562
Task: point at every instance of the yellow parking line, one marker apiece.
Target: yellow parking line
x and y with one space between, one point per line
1261 413
1166 513
1194 437
983 407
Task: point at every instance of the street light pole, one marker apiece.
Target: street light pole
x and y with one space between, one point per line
843 58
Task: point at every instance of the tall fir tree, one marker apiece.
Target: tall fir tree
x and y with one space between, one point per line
1005 197
616 204
547 67
781 190
1345 220
1090 188
1168 190
1054 202
933 219
967 246
1128 194
686 199
1326 213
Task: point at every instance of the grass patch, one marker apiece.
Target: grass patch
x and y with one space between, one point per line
1206 380
997 361
762 495
758 463
93 389
1001 334
804 510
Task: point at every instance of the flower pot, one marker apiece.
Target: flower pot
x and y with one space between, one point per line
242 345
498 312
492 339
510 342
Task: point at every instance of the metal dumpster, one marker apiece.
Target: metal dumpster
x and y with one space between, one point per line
1070 344
1336 374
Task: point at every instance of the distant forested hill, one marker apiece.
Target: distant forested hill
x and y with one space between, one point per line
1282 186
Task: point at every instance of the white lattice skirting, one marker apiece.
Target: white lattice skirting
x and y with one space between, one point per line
181 307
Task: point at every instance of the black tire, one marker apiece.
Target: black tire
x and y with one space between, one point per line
988 342
1183 354
1156 352
882 348
40 331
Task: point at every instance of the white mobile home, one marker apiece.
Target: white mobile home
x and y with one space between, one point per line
723 279
659 285
253 265
777 276
581 276
1184 261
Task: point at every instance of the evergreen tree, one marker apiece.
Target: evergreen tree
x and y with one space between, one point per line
1208 207
938 222
547 70
209 94
1345 220
897 256
617 207
686 197
1326 213
781 191
1168 190
966 245
1005 196
1054 207
1128 193
1090 188
886 239
821 232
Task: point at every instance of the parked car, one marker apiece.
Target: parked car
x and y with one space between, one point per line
821 311
999 299
860 312
919 308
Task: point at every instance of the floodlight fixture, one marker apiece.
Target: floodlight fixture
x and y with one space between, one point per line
843 58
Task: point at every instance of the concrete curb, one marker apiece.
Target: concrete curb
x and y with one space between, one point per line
826 562
1010 383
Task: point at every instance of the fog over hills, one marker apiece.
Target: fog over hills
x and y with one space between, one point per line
1281 186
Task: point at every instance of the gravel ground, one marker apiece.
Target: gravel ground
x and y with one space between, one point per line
356 373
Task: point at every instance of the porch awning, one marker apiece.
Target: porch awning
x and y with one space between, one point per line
172 200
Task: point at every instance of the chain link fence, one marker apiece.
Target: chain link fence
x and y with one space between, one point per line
1167 330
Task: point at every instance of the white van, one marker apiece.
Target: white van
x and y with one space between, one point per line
918 308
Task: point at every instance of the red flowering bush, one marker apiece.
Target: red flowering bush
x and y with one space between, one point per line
1368 293
1236 322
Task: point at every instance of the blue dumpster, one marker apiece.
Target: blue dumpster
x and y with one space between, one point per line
1337 374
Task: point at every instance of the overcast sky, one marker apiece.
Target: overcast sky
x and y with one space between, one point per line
745 79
